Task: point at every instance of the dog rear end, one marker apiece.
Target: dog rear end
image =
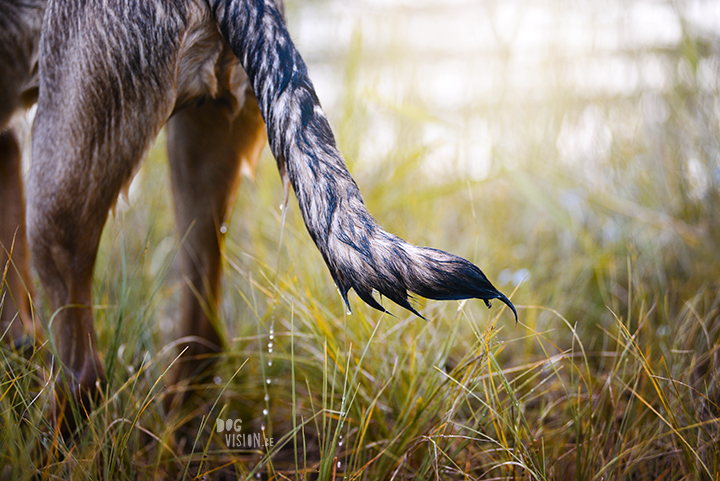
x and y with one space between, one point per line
111 76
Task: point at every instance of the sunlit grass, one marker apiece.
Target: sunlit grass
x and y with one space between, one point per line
612 371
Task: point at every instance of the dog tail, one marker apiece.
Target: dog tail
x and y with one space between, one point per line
359 254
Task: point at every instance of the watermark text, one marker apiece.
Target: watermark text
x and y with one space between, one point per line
235 438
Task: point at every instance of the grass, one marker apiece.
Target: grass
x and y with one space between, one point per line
612 372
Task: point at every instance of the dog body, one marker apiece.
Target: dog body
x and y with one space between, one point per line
111 74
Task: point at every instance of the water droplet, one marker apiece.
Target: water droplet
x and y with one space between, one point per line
270 350
265 412
269 381
340 443
270 345
348 312
217 380
267 397
262 427
270 362
223 228
339 465
272 336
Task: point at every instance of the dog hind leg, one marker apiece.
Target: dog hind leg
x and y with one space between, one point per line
17 288
19 33
207 144
99 108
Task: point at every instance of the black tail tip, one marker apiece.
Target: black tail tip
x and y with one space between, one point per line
505 300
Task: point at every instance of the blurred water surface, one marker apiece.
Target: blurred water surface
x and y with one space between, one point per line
488 78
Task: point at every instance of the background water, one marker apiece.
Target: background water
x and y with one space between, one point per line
482 73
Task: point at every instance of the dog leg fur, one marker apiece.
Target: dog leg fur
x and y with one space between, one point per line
95 121
15 268
19 33
207 146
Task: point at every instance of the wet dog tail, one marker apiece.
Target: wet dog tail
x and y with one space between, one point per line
359 254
